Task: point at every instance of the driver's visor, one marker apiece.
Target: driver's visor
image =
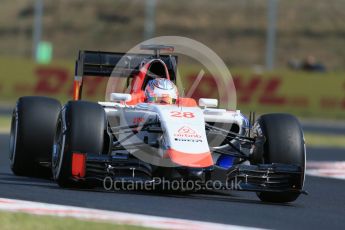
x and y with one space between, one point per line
164 100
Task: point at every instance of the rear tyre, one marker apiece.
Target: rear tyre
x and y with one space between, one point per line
284 144
80 129
32 134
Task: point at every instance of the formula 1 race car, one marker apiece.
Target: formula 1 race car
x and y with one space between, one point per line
147 131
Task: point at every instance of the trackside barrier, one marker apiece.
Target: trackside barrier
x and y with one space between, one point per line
299 93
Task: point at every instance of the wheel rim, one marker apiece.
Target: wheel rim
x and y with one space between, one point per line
13 137
59 142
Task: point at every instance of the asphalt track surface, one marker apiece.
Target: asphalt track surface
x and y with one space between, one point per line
323 208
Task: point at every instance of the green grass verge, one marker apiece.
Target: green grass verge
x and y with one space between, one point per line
324 140
19 221
5 124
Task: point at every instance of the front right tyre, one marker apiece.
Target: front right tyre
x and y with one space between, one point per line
80 129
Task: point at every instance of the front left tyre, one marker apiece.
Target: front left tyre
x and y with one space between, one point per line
32 133
285 145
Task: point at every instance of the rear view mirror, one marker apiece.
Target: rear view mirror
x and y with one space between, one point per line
123 97
208 102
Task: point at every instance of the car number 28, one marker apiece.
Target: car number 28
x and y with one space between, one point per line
182 114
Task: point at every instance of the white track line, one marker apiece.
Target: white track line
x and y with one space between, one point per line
38 208
329 169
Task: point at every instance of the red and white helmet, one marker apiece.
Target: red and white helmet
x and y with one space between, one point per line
161 90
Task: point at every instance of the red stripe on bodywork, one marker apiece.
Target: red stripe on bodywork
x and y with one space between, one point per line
186 102
78 165
195 160
76 90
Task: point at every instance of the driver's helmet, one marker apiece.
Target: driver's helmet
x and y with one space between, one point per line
161 90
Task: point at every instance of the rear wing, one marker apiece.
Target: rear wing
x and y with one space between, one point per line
102 64
97 63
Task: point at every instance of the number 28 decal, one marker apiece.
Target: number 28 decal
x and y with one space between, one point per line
182 114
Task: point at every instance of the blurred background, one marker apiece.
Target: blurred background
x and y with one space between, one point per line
284 56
